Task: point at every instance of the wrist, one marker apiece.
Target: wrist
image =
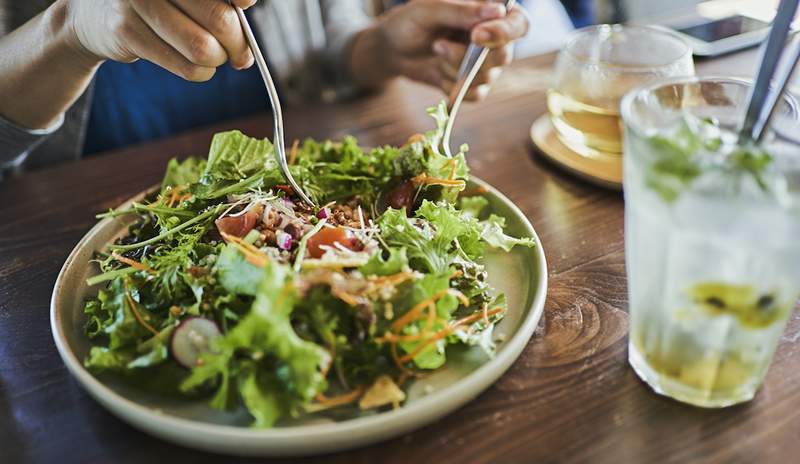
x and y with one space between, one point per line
66 41
370 59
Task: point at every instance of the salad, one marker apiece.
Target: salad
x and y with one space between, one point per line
228 287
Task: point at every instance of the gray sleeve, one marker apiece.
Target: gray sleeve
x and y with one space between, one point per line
16 142
343 19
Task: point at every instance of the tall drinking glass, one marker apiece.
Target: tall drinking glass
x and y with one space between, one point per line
712 239
596 68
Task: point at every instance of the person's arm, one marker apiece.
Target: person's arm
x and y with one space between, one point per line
46 64
416 40
42 70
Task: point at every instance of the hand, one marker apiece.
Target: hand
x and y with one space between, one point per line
426 40
190 38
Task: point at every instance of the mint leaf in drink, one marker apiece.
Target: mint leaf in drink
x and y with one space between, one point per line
753 160
694 147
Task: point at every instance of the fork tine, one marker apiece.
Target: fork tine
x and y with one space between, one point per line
473 60
470 65
277 113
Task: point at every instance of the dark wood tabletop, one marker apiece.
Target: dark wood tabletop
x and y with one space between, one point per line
570 397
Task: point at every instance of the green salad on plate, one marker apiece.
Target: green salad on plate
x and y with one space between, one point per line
228 287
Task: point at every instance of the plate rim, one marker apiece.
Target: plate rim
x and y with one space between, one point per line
312 438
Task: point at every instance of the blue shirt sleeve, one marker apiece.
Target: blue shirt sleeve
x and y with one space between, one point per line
137 102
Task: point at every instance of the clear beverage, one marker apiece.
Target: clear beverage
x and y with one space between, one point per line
711 242
591 123
596 68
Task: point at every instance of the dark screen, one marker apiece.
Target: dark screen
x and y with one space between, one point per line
724 28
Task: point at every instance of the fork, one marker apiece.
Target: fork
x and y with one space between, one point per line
470 65
274 101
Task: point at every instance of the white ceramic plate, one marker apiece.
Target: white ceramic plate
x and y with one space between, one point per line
521 274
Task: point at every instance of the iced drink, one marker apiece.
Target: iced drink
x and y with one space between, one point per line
712 241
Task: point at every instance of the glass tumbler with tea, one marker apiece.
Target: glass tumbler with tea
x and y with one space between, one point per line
596 68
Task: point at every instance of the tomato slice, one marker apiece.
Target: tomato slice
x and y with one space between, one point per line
285 188
238 226
330 236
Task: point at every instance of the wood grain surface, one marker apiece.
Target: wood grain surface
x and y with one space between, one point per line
570 397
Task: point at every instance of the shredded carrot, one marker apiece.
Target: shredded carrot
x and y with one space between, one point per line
382 282
173 194
486 314
431 317
474 317
447 331
135 311
400 365
251 254
176 195
184 197
415 138
414 312
479 190
393 279
340 400
395 338
346 297
293 152
159 199
424 179
453 166
132 263
437 336
169 202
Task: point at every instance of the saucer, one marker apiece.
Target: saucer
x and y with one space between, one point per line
603 169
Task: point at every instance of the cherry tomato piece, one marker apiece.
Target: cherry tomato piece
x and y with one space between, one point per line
330 236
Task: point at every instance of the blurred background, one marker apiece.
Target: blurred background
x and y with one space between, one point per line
552 20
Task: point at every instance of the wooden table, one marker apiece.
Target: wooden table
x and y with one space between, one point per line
571 395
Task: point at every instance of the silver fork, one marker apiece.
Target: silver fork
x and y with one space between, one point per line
470 65
277 114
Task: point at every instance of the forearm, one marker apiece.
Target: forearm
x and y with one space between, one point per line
368 62
42 71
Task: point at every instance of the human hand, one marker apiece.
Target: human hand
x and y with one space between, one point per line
425 40
190 38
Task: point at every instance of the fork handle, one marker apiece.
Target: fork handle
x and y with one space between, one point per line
279 143
470 65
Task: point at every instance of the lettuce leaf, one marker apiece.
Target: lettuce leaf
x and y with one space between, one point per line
494 236
452 228
183 173
433 355
258 390
397 261
125 330
235 156
265 335
235 274
473 206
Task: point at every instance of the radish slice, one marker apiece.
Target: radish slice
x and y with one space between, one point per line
192 338
323 213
